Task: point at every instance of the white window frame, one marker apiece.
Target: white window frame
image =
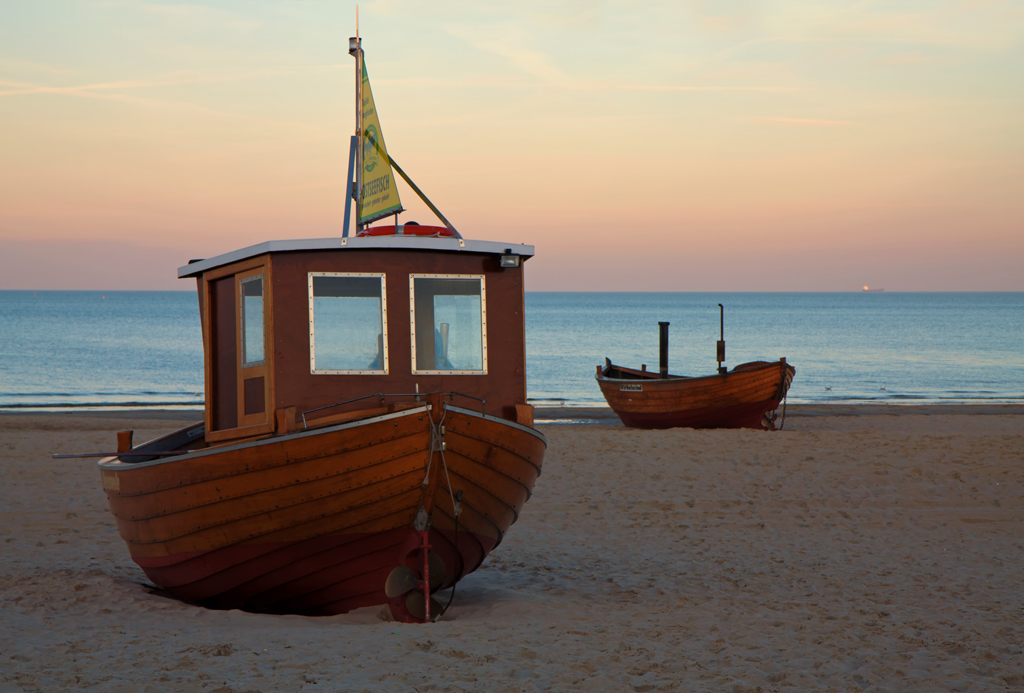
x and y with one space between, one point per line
483 321
383 321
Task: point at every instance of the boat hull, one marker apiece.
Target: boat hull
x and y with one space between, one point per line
314 522
746 397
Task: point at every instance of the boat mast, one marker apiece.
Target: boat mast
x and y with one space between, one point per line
356 49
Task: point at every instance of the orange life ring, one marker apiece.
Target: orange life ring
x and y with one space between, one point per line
407 230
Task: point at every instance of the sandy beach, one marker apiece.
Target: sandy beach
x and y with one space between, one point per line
861 548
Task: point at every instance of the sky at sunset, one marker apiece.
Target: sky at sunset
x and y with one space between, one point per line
692 145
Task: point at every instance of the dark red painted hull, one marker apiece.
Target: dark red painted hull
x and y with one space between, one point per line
321 576
737 416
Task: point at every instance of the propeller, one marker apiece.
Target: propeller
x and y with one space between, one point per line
414 602
401 580
404 579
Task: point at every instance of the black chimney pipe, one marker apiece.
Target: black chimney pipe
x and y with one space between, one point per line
721 341
663 357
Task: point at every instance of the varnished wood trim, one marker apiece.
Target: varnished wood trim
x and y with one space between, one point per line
469 452
318 474
522 330
500 422
250 372
285 420
270 392
204 290
114 463
237 267
331 419
241 432
265 507
264 420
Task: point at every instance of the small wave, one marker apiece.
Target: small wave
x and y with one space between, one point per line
61 406
559 402
100 393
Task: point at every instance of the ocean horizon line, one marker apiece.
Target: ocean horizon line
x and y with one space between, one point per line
598 291
539 403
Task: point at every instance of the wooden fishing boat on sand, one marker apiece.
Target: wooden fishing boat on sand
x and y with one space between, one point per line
366 437
744 397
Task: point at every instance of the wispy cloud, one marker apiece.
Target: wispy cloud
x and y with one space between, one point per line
906 59
189 12
173 79
25 65
800 121
110 91
512 48
165 104
575 85
703 87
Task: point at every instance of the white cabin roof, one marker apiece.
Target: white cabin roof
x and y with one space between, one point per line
399 242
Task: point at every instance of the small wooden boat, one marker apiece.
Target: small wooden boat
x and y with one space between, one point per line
366 437
744 397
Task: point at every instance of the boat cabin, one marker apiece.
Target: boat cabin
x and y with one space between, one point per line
306 332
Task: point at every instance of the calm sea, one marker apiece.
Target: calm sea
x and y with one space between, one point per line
69 349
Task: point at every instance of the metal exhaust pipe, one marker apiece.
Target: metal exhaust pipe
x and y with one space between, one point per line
721 339
663 356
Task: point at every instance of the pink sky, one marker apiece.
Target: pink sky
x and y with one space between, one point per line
670 147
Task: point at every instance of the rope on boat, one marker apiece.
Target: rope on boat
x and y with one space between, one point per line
433 444
785 396
456 511
444 465
437 443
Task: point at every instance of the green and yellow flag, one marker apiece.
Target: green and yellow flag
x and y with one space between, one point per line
379 195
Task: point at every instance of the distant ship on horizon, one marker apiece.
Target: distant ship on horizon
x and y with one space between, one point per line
866 288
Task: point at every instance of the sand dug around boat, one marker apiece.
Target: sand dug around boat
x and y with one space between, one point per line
847 552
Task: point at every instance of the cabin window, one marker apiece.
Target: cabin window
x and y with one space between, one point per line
448 314
348 325
251 289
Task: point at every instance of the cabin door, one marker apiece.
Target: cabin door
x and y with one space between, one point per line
238 374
